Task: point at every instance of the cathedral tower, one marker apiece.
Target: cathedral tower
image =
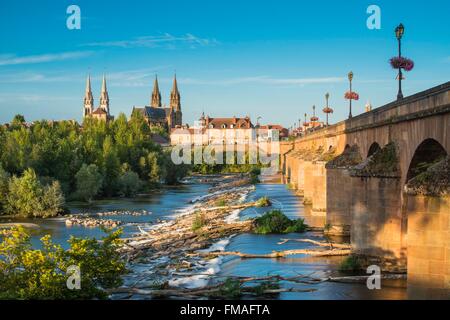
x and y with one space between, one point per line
88 98
156 95
175 104
104 98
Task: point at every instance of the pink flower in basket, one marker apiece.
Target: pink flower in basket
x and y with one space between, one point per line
351 95
401 62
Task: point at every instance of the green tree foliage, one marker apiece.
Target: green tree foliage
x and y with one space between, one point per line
242 167
275 221
111 167
173 172
18 120
89 182
59 149
129 183
27 197
27 273
4 182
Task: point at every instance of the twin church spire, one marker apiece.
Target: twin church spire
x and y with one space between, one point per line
103 110
171 116
175 103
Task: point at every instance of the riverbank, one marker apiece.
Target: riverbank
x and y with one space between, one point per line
195 273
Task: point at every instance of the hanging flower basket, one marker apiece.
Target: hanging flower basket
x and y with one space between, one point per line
401 62
351 95
327 110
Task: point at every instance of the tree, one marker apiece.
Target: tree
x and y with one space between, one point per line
173 172
27 273
24 194
111 167
156 170
27 197
18 120
52 200
130 183
89 182
4 181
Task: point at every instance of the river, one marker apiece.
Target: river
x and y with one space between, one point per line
170 201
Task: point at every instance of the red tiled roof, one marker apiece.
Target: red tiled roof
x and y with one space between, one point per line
99 111
218 123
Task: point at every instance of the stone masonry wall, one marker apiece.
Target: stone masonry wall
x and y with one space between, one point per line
428 247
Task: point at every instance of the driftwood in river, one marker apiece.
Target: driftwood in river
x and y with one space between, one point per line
208 221
319 243
280 254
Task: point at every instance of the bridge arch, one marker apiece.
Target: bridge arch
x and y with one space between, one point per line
428 152
374 148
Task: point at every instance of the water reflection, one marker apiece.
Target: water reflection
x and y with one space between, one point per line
320 267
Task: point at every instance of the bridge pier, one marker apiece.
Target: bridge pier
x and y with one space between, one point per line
307 168
376 220
428 247
339 201
318 188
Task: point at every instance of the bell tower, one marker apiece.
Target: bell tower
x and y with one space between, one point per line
104 97
156 95
88 99
175 104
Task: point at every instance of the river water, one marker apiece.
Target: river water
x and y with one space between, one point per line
169 202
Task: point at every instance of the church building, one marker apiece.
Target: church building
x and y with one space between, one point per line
102 112
157 115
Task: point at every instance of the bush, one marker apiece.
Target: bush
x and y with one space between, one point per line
27 197
221 203
26 273
129 183
231 288
350 264
89 182
276 222
263 202
199 221
254 173
4 181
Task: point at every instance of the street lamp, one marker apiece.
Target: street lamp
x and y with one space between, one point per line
350 78
314 119
327 109
306 123
399 30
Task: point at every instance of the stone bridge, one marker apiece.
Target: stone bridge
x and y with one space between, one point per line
382 178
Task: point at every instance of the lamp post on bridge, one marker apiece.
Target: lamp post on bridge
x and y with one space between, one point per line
327 109
399 34
306 123
314 118
350 78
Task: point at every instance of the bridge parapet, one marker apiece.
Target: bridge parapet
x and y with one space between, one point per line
430 102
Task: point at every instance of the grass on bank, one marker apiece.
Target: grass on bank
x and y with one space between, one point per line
350 264
275 221
263 202
199 221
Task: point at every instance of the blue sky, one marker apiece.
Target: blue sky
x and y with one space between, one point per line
273 59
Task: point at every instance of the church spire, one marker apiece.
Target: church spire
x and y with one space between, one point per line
175 96
88 98
156 95
104 98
